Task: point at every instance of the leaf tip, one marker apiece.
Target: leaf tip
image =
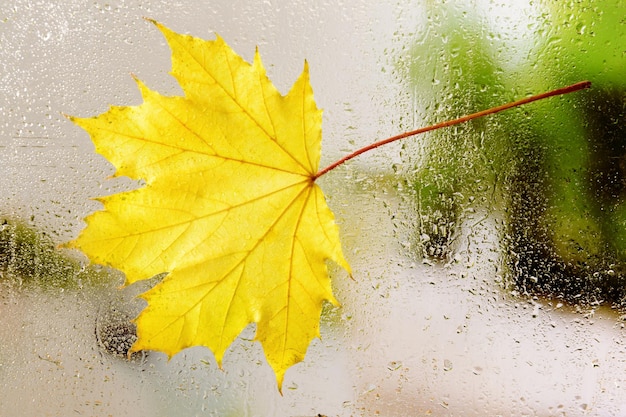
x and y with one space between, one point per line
74 119
349 271
143 88
148 19
219 360
68 245
279 383
134 348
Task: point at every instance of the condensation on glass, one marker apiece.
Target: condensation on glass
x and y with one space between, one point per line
487 258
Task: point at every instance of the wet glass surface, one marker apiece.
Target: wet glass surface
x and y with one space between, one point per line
486 258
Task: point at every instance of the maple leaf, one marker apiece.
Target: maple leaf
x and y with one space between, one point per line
229 210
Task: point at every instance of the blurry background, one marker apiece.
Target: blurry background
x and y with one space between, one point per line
488 258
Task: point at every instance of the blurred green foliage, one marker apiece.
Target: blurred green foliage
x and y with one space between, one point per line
556 168
30 257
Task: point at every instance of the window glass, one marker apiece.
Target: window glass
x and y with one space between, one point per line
488 258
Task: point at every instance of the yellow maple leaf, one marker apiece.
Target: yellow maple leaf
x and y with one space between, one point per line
229 210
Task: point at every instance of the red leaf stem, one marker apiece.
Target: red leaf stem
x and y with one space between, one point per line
559 91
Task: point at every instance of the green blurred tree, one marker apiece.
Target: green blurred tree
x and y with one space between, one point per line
557 169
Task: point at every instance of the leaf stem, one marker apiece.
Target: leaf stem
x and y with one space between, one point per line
559 91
